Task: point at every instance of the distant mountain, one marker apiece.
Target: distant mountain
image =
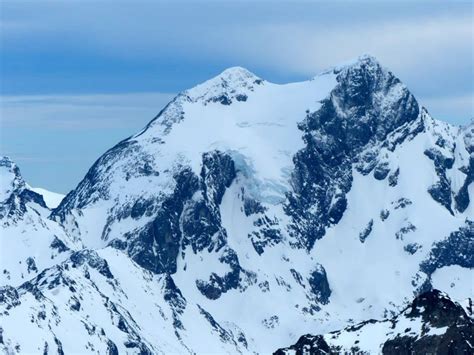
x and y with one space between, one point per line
245 215
29 241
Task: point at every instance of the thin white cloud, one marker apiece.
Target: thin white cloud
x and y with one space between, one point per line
81 111
205 30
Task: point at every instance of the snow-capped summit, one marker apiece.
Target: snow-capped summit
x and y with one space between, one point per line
228 81
233 84
11 180
15 194
250 213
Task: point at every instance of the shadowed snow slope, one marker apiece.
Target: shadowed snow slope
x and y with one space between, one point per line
244 215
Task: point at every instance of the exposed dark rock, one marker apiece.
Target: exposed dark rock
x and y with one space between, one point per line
75 305
271 322
381 171
112 348
93 260
265 234
252 206
366 232
401 203
59 245
456 249
393 178
436 311
405 230
298 277
173 296
189 216
462 197
319 284
307 345
384 214
223 99
441 161
412 248
156 247
218 172
9 297
224 335
441 193
59 346
31 265
241 97
236 278
441 190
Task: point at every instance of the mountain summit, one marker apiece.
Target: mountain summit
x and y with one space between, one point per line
247 214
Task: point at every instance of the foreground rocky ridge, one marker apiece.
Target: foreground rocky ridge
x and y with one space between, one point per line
432 324
246 212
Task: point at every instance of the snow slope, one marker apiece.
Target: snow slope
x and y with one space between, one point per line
251 213
52 199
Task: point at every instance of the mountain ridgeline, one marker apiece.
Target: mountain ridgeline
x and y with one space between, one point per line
247 214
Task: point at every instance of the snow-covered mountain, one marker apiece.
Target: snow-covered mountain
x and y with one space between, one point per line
245 215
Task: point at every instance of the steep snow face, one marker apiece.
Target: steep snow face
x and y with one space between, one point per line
256 124
29 241
273 210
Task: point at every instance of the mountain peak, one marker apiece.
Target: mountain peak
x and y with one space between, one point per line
10 177
364 60
236 73
232 83
368 59
6 163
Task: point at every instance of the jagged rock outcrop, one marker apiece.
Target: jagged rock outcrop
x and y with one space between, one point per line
433 324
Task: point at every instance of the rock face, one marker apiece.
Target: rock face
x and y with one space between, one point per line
432 324
243 210
366 105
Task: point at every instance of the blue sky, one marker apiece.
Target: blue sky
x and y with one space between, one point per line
78 76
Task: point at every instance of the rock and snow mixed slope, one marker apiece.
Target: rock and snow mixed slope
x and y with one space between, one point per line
29 241
52 199
250 213
432 324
